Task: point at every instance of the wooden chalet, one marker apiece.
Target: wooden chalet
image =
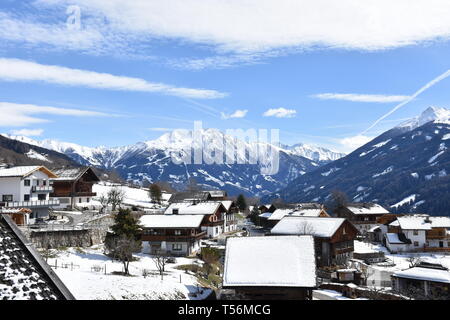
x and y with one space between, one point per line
73 187
334 237
177 235
363 215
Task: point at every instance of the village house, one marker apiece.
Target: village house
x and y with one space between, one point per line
73 187
334 237
363 215
295 210
423 281
24 275
214 215
231 210
27 187
20 216
418 233
268 268
177 235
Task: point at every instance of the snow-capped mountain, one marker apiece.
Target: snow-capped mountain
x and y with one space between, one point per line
153 161
313 153
406 169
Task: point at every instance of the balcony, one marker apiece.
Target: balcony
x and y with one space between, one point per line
30 204
42 189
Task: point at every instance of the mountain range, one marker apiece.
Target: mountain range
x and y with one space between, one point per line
406 169
151 161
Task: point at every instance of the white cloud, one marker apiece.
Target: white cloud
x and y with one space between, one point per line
262 25
19 115
236 114
280 113
351 143
28 132
380 98
21 70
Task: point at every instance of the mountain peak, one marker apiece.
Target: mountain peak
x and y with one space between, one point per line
432 113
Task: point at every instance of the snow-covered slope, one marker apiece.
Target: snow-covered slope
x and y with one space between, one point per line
406 168
153 161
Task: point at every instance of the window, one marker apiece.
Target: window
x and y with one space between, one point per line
79 200
88 200
44 182
416 243
42 197
7 198
416 233
177 247
174 211
27 182
177 232
26 197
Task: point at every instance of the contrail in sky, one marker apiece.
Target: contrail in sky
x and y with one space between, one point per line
418 92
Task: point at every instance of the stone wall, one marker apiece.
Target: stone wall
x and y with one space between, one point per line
67 238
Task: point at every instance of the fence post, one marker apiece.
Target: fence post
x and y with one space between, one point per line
56 264
71 266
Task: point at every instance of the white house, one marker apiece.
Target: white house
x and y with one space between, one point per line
418 233
27 187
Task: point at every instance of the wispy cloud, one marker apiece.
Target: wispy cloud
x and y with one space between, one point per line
20 115
28 132
21 70
351 143
160 129
259 26
355 97
436 80
236 114
280 113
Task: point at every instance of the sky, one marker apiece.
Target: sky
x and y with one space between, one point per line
329 73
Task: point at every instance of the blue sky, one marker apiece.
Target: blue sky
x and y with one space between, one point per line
121 73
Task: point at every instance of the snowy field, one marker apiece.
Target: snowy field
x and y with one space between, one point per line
133 196
87 284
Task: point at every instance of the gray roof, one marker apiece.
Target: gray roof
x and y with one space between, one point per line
24 275
72 174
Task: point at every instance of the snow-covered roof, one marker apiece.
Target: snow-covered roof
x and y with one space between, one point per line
265 215
171 221
422 222
392 238
258 262
319 227
24 274
217 193
190 208
427 274
23 171
227 204
366 208
307 212
70 174
280 213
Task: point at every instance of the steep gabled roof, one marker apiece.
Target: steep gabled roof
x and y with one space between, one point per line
270 262
171 221
24 171
366 208
204 208
319 227
74 174
24 275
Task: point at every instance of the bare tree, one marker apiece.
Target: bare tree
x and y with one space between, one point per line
305 228
414 261
104 201
365 271
161 258
115 197
122 249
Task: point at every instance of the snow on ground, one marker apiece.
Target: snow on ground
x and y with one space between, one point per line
35 155
408 199
325 294
87 284
401 260
133 196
